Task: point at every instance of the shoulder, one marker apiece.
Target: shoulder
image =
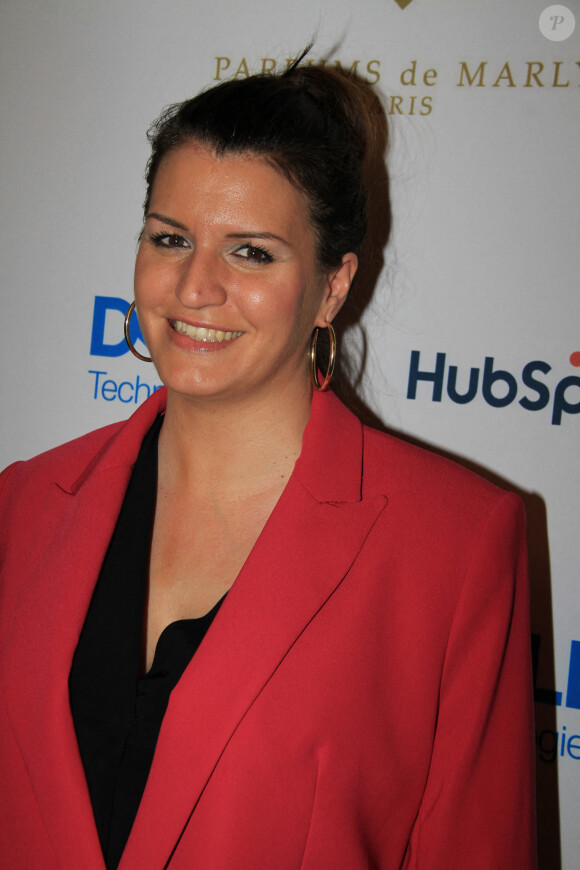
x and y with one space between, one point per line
394 458
430 487
117 443
81 448
25 485
448 531
411 476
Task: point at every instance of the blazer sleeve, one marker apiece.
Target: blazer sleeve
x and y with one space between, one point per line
5 485
5 475
478 808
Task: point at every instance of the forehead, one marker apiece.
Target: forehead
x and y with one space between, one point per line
231 188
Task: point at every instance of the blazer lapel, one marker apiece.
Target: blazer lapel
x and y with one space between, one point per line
319 520
57 577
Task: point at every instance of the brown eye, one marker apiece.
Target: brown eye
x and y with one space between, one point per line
254 254
169 240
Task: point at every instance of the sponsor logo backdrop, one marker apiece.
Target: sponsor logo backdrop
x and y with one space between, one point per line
474 328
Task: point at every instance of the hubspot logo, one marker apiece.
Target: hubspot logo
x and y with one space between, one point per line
498 387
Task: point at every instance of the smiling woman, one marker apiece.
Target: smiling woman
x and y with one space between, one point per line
228 250
250 632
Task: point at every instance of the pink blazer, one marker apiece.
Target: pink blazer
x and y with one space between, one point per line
362 699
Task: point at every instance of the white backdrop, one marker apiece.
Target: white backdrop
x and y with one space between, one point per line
480 273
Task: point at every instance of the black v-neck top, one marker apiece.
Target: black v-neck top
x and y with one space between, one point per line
117 711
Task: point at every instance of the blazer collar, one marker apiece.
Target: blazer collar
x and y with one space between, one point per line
330 464
119 449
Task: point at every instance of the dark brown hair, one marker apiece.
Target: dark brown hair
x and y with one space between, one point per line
310 122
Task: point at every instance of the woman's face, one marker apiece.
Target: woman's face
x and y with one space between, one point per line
226 281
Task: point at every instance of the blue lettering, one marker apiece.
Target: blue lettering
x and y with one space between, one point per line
415 375
561 404
109 390
573 691
549 696
131 389
462 398
99 347
93 372
125 392
508 389
538 387
574 744
138 386
490 378
563 746
547 741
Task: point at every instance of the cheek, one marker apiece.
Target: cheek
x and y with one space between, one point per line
301 314
311 301
140 273
149 279
274 301
291 307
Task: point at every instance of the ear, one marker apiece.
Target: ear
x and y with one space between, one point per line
336 287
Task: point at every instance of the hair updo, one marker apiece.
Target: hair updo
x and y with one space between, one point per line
312 123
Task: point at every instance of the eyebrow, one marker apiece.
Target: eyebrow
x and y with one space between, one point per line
165 220
252 235
249 235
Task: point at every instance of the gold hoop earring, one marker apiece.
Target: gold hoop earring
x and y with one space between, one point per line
321 387
128 337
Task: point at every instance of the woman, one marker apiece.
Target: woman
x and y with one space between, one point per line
241 630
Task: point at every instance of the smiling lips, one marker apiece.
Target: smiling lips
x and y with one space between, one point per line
202 333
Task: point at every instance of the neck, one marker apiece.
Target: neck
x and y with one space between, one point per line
234 448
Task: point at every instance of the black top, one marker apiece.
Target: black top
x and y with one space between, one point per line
117 712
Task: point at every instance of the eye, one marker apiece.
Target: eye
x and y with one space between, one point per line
169 240
253 254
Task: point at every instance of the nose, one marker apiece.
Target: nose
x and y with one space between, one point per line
200 283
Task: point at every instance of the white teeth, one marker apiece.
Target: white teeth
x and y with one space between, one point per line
201 333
